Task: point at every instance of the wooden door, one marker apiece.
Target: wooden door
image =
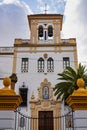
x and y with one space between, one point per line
45 121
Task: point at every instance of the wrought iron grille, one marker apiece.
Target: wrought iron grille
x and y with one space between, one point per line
23 122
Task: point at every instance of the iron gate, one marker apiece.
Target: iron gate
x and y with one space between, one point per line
23 122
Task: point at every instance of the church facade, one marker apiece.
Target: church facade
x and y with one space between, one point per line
36 62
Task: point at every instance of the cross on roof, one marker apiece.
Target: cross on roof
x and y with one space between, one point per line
45 10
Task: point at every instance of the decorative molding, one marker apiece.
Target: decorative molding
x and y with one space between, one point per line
41 104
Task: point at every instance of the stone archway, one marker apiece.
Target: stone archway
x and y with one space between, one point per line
45 103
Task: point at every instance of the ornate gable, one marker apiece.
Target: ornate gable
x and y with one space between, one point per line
44 102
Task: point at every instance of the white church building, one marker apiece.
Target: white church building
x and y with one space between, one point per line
36 62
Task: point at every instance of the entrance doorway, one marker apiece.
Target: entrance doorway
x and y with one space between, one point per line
45 120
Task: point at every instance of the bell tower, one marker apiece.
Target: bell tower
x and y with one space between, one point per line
45 28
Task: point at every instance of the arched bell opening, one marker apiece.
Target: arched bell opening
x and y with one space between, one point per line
50 32
40 32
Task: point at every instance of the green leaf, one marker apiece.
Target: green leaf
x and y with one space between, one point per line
68 79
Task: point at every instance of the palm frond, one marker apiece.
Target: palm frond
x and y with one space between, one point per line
68 80
81 71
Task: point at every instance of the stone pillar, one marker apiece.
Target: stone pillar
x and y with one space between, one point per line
78 102
9 101
80 120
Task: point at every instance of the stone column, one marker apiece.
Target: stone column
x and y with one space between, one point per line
78 102
9 101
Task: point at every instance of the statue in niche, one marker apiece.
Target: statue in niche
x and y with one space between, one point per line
45 92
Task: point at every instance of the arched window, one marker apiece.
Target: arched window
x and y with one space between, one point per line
50 65
66 62
50 31
40 32
40 64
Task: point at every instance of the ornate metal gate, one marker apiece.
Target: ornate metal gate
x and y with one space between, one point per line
23 122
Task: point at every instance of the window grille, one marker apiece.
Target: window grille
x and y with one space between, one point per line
41 65
50 65
24 65
66 62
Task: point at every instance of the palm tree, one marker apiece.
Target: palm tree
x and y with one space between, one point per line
69 81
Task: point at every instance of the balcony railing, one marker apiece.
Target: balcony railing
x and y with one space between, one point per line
6 49
25 41
69 41
65 40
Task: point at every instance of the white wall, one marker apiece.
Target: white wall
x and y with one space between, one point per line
7 120
33 78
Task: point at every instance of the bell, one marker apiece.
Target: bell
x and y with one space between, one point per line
50 34
40 31
50 31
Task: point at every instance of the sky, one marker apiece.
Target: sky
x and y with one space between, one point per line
14 22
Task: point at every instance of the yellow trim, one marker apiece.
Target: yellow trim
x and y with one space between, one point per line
45 17
14 61
55 50
9 100
75 57
78 99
